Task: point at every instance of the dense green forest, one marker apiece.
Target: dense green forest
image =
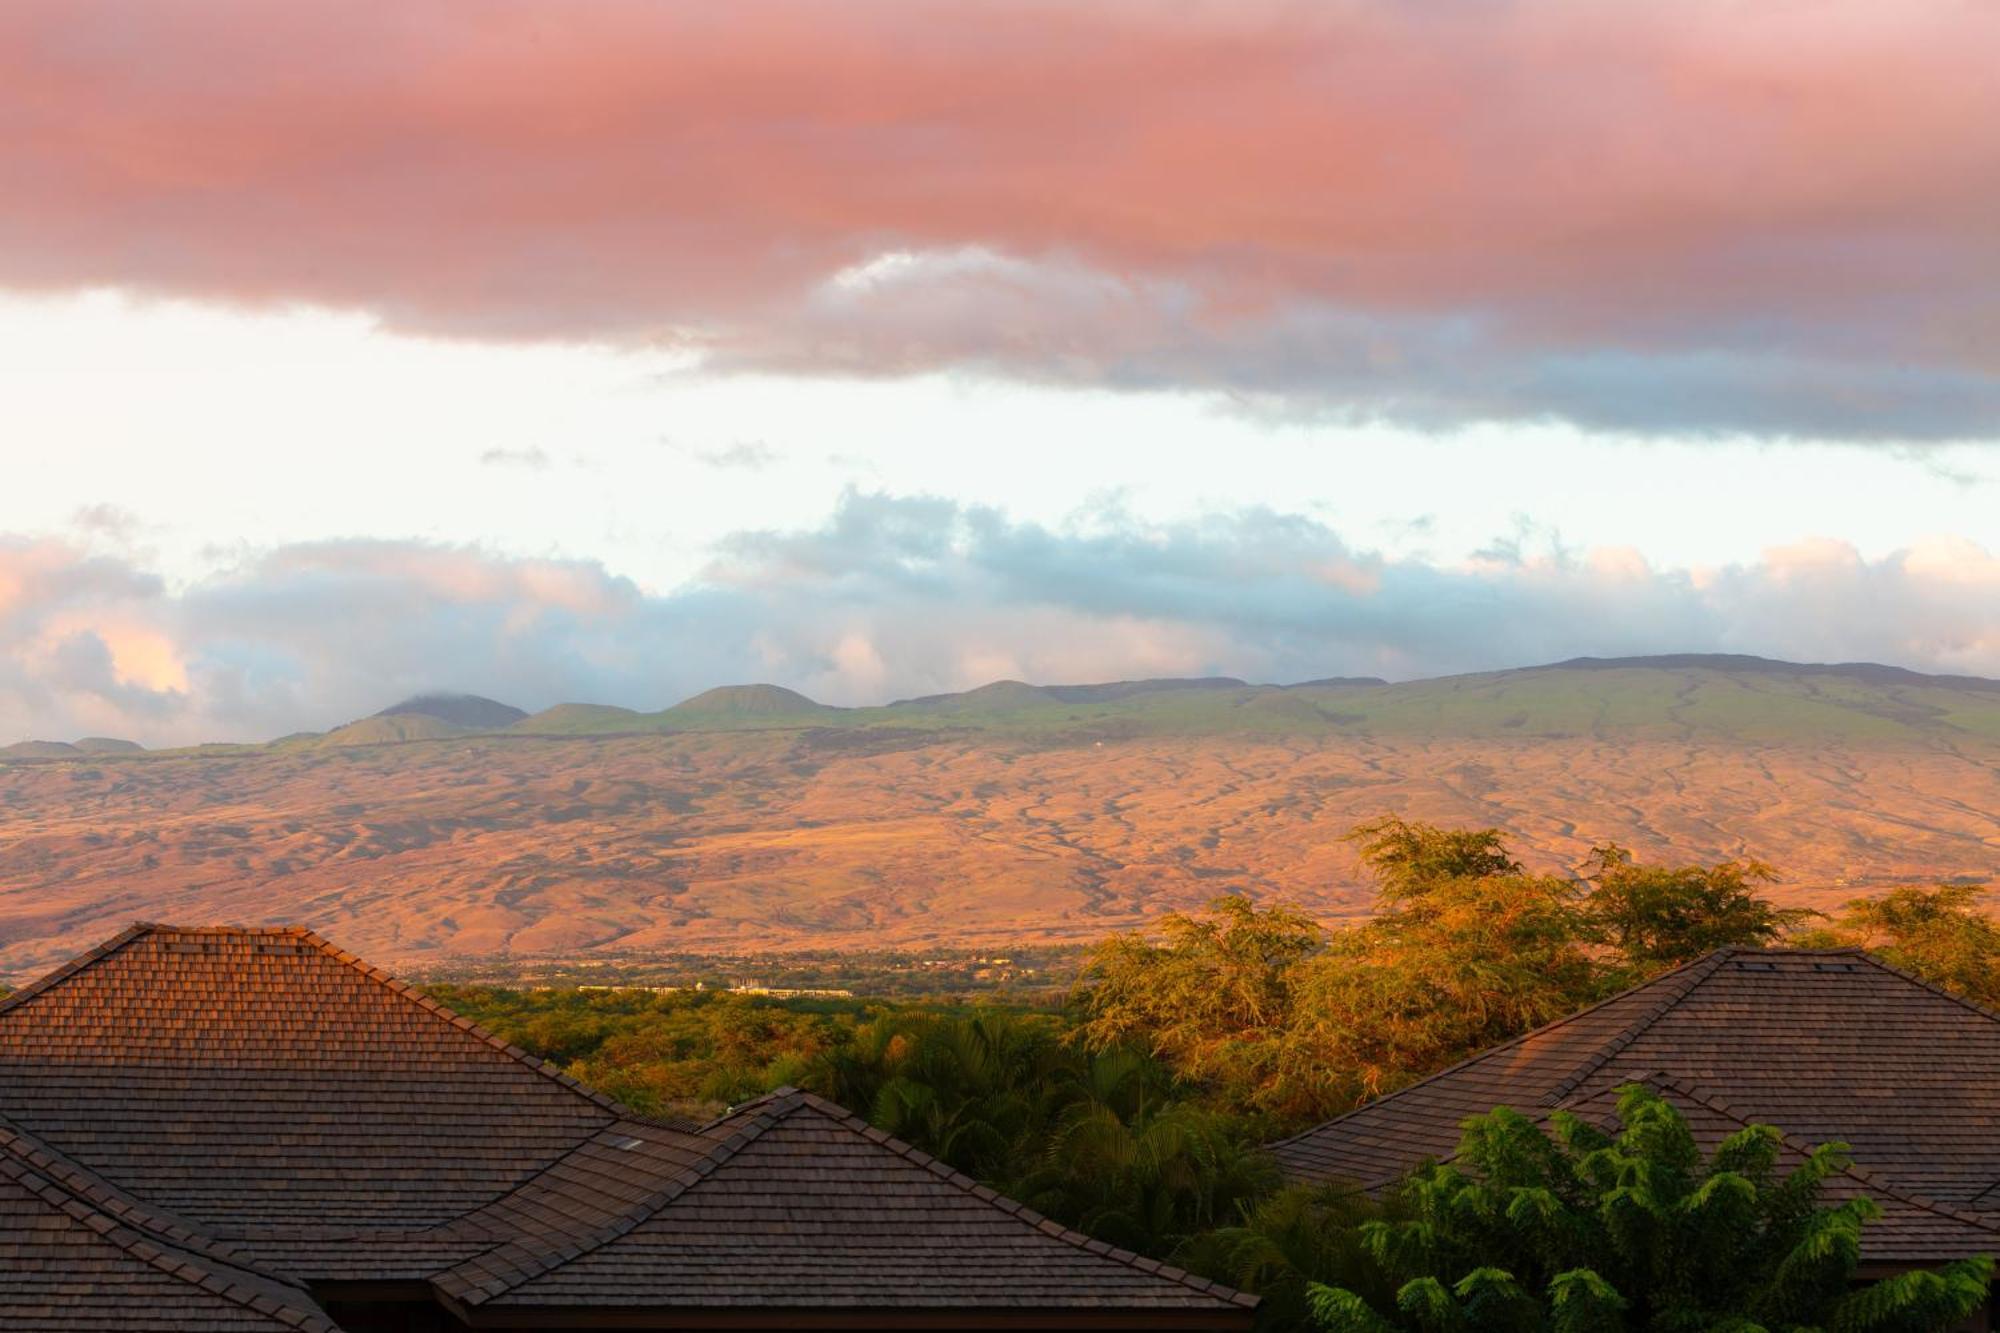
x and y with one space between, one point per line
1134 1109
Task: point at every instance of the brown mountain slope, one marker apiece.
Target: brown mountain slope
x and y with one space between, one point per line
414 852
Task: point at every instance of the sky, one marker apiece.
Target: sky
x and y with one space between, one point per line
616 351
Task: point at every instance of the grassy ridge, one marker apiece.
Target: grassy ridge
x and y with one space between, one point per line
1766 706
1739 700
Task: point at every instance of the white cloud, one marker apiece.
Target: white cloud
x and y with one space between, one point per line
896 596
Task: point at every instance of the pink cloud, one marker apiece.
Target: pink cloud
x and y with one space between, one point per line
1545 201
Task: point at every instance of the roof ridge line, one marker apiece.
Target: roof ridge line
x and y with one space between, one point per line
1491 1051
780 1093
1871 956
416 996
64 971
1696 973
464 1226
1047 1225
571 1248
760 1114
380 976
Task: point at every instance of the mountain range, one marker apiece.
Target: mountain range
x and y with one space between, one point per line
453 827
1729 695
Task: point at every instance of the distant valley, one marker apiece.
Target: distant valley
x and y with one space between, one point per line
450 827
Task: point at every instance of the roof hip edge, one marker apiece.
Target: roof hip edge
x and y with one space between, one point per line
534 1261
415 996
1885 965
62 972
154 1236
1695 1092
66 972
1690 979
985 1194
762 1113
1710 959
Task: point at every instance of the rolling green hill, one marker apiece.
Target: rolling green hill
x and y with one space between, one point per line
470 712
1751 700
385 730
89 745
108 745
746 706
578 719
39 750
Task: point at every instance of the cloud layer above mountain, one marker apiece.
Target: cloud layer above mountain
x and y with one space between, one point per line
1701 217
895 596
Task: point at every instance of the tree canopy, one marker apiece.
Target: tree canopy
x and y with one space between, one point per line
1574 1230
1465 949
1109 1140
1657 917
1136 1110
1938 934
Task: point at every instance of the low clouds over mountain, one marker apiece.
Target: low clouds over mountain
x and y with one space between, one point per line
897 596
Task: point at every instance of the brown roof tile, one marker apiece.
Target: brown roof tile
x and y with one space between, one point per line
1911 1228
1827 1045
270 1105
794 1196
78 1254
264 1083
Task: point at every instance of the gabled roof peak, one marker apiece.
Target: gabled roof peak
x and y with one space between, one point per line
169 928
785 1101
499 1276
316 1115
1807 1039
1785 951
303 939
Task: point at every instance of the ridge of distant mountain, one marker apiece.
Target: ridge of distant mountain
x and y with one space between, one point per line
570 719
1717 696
39 750
108 745
749 701
1873 672
1112 691
387 729
470 712
69 749
994 696
752 819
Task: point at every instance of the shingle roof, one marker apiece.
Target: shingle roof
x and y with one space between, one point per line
282 1108
1910 1230
262 1082
77 1253
1825 1044
793 1196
